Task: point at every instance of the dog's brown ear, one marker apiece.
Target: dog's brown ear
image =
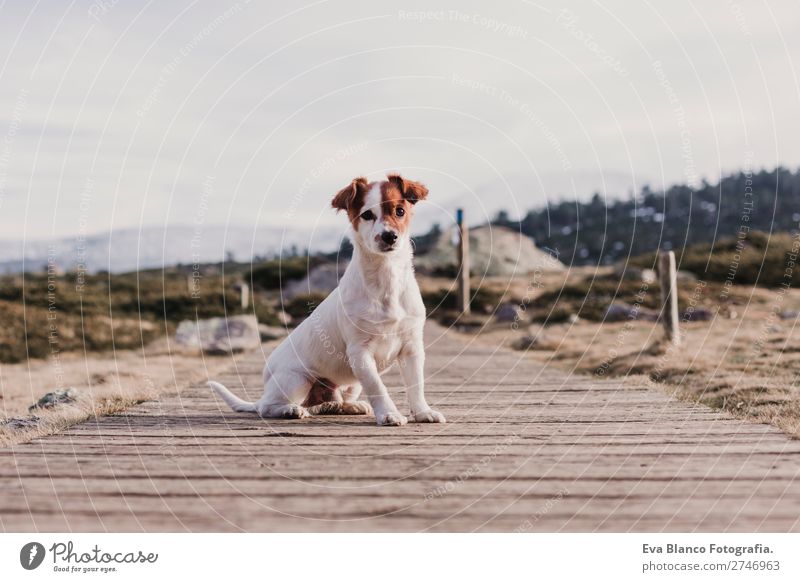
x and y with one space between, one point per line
411 191
347 196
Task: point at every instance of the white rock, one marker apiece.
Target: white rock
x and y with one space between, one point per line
494 251
320 280
219 335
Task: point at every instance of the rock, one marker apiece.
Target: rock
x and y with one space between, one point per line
494 251
625 312
20 422
219 335
618 312
271 332
51 399
530 342
508 313
697 314
574 318
284 317
648 275
790 314
526 342
321 280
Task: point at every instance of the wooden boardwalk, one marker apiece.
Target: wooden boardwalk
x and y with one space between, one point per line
525 449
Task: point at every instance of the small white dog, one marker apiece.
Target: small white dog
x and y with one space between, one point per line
374 318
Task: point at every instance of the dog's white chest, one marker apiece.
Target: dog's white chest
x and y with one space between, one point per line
385 350
386 330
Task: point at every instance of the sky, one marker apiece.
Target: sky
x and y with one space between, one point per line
120 114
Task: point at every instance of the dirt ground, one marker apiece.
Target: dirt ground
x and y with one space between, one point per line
746 359
105 383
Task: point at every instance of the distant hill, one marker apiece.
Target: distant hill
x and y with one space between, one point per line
594 232
127 250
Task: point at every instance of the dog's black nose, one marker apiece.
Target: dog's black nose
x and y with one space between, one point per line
388 237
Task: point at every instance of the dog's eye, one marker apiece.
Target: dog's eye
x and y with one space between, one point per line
400 211
368 215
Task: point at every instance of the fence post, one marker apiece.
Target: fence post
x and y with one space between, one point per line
244 294
668 279
463 262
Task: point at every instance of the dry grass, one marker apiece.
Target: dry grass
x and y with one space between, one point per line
745 361
57 419
106 384
104 335
42 315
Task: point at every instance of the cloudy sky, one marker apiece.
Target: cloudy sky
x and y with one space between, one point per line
118 114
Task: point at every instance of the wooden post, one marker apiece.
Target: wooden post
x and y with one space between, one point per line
244 291
668 279
463 263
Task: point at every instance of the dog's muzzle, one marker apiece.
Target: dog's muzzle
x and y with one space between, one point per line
388 238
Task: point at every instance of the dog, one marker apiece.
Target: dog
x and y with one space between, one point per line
373 319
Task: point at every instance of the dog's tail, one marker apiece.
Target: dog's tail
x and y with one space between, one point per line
233 401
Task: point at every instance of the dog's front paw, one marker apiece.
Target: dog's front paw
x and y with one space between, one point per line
392 419
429 415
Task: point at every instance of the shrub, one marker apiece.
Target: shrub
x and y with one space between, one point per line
556 315
38 333
756 258
138 306
303 305
590 299
273 274
482 299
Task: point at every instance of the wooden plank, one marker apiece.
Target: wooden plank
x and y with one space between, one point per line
525 448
